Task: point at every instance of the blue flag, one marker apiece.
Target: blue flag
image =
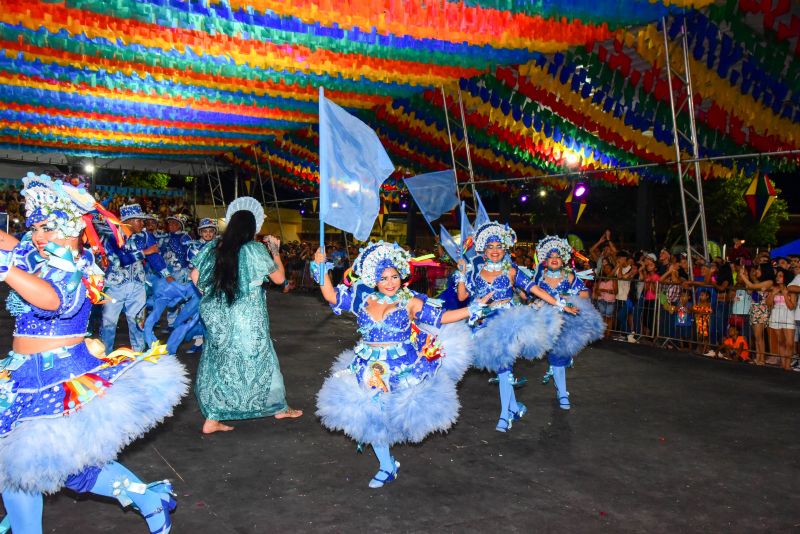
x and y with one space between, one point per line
352 166
435 193
449 244
481 217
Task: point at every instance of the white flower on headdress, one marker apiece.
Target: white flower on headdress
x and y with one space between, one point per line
381 255
553 243
60 207
493 229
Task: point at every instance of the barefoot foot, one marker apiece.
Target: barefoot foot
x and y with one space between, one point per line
211 426
289 413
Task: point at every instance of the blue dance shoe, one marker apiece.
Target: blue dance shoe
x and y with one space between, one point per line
519 413
563 402
503 425
390 477
168 504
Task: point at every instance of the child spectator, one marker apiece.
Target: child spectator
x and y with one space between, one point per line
702 314
682 319
735 346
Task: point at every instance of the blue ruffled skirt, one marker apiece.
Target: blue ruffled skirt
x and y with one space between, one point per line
526 331
64 410
399 393
579 330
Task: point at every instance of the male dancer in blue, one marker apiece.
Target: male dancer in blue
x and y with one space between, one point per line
125 278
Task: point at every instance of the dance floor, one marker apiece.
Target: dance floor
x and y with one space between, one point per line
655 442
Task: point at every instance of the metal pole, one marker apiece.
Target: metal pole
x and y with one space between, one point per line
695 144
274 194
450 140
466 147
219 184
211 189
676 142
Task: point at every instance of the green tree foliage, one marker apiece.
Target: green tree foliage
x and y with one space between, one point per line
727 215
149 180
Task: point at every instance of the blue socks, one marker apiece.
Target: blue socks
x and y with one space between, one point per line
560 380
508 399
116 481
384 457
24 511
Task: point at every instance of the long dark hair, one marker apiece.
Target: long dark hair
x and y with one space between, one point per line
241 229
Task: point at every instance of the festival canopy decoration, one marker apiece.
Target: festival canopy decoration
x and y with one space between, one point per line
542 83
759 196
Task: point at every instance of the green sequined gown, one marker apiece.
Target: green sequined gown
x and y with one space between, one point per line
239 376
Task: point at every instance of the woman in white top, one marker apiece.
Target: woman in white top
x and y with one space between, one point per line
781 320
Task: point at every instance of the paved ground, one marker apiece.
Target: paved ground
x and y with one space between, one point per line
656 442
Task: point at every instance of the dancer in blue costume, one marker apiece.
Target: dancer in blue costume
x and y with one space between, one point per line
399 383
125 277
559 281
512 330
174 246
66 408
188 324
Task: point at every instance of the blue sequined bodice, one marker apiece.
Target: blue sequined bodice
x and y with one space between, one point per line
394 328
174 248
72 316
501 286
565 287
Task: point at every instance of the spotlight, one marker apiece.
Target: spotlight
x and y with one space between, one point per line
542 192
89 167
573 159
302 211
523 198
580 189
404 205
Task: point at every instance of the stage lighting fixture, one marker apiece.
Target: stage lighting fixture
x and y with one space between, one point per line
523 198
542 192
580 189
89 167
404 205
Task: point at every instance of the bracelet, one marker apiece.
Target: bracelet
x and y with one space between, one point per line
560 304
460 277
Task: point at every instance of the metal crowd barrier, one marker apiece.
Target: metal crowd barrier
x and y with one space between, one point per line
674 316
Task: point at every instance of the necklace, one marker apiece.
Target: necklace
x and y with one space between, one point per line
549 273
494 266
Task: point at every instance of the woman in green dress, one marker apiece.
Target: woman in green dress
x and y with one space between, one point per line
239 376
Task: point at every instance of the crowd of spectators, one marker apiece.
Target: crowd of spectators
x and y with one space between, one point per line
742 306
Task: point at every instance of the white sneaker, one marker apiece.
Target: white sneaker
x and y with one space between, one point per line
631 338
620 338
711 353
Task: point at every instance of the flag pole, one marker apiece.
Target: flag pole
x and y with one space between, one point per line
323 182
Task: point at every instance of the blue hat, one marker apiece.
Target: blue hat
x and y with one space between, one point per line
131 211
207 223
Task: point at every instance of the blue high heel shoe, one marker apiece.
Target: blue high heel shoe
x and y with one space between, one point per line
547 376
168 504
503 425
519 413
390 477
